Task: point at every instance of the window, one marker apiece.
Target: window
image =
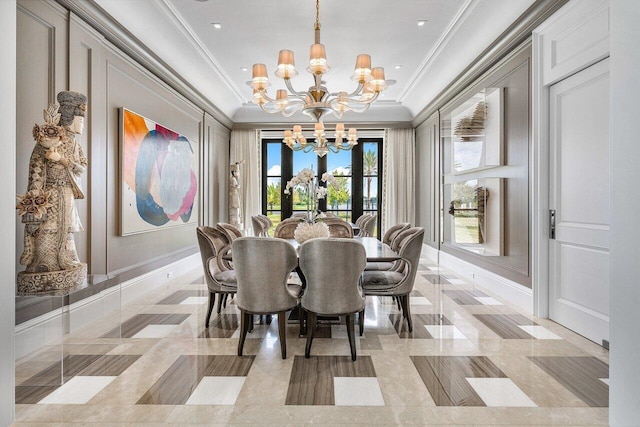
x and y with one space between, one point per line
356 172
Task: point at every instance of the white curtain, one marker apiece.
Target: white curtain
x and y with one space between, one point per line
398 186
245 145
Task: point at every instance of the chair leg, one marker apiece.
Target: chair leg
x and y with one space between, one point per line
397 300
282 333
268 319
220 303
301 314
212 302
250 319
361 321
311 327
350 333
406 311
224 301
244 327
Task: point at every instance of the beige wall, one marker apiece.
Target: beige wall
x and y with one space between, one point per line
512 74
58 51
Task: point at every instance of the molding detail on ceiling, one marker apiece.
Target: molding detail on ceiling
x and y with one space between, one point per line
179 22
120 37
438 48
510 39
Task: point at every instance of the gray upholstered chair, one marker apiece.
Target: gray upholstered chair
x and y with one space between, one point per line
262 268
332 269
220 280
397 283
338 227
362 218
389 239
232 232
368 225
259 226
285 229
358 223
393 232
267 223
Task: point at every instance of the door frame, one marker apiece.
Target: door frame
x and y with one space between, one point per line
572 18
539 210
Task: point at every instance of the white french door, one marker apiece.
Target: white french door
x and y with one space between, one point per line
579 192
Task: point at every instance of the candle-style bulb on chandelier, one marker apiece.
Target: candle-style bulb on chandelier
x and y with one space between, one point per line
317 101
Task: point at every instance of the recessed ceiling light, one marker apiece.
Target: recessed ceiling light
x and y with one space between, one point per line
397 67
244 68
216 25
422 22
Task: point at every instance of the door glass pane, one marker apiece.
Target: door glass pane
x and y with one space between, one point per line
303 160
370 158
370 193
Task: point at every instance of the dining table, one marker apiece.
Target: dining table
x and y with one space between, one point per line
376 251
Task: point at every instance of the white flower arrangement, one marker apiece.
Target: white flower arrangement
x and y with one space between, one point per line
306 178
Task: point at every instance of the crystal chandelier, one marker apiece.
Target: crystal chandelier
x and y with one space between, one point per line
317 101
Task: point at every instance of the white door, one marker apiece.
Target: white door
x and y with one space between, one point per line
579 158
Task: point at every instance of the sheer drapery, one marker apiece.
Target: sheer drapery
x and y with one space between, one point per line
245 145
398 185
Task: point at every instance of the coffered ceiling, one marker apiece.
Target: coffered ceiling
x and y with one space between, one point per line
422 59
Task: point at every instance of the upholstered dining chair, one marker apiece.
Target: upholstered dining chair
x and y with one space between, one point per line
262 268
286 228
368 225
332 269
259 226
267 223
359 222
389 238
231 231
397 283
338 227
220 280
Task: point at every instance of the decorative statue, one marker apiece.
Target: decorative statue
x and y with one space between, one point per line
235 198
235 203
48 207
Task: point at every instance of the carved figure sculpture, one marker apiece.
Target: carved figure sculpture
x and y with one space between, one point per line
235 199
48 207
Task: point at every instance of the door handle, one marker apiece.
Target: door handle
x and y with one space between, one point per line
552 224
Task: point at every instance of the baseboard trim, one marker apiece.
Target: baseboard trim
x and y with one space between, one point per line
506 289
49 328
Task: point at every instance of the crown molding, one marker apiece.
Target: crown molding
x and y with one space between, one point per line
124 40
455 24
510 39
178 21
279 127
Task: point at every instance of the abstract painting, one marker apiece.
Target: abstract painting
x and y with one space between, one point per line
159 170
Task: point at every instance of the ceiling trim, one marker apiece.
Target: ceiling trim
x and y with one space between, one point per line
517 33
179 22
360 126
277 134
457 21
120 37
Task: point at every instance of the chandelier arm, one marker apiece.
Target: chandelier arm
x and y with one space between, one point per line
300 95
358 90
373 98
263 94
264 108
291 109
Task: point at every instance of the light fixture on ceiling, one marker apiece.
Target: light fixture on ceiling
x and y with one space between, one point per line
317 101
216 25
422 22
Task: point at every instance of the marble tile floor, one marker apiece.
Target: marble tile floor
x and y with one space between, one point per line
472 359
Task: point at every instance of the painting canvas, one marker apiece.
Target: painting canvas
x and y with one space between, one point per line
159 170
